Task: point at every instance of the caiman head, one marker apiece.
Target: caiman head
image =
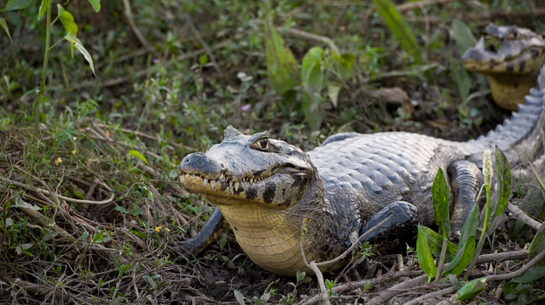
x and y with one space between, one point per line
264 188
511 61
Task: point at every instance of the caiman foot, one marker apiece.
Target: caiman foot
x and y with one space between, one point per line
213 229
402 227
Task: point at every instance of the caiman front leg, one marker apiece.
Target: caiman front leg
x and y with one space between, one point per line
211 231
465 181
402 227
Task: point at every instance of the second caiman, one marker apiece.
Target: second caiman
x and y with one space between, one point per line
265 188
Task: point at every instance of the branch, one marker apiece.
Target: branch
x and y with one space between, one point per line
349 250
518 213
28 187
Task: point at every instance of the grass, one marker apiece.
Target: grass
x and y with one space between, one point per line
168 101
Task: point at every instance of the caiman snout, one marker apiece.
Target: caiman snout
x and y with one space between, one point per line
199 163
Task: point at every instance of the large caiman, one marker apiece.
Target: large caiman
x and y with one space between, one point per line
265 188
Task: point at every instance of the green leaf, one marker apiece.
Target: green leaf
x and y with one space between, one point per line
461 33
435 241
504 182
398 27
440 192
77 43
423 253
466 245
462 79
347 63
95 4
67 20
333 93
538 245
282 68
13 5
120 209
43 8
311 70
4 25
138 155
462 258
470 290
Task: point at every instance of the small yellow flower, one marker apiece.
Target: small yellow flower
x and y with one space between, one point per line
58 161
487 167
74 152
108 133
158 229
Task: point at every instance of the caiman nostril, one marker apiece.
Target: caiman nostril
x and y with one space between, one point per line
199 163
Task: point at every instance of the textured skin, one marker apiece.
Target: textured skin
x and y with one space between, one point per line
265 188
512 70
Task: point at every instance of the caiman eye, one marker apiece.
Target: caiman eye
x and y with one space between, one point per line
263 145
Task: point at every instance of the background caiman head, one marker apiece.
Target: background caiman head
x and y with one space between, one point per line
245 169
511 58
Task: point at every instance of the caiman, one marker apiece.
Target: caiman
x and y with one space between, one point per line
511 64
265 188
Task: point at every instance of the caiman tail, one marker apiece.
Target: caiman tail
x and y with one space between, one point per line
520 138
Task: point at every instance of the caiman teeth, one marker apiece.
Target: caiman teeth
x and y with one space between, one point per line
205 182
236 185
251 180
230 184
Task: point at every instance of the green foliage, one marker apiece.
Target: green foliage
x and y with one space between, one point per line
461 33
435 242
440 193
68 21
423 253
504 182
13 5
466 246
138 155
470 290
282 68
399 27
4 25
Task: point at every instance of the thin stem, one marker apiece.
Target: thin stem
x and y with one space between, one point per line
442 257
56 43
44 71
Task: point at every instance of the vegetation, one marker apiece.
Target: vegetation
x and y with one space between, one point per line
89 144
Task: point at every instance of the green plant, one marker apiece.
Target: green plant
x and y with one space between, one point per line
71 28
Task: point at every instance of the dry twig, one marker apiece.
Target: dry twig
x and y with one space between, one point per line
518 213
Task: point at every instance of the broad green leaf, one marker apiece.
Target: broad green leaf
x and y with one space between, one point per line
311 70
538 245
435 241
461 33
470 290
462 259
440 192
43 8
504 182
4 25
74 41
95 4
310 105
466 246
13 5
138 155
423 253
347 62
282 68
398 27
533 274
67 20
333 93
